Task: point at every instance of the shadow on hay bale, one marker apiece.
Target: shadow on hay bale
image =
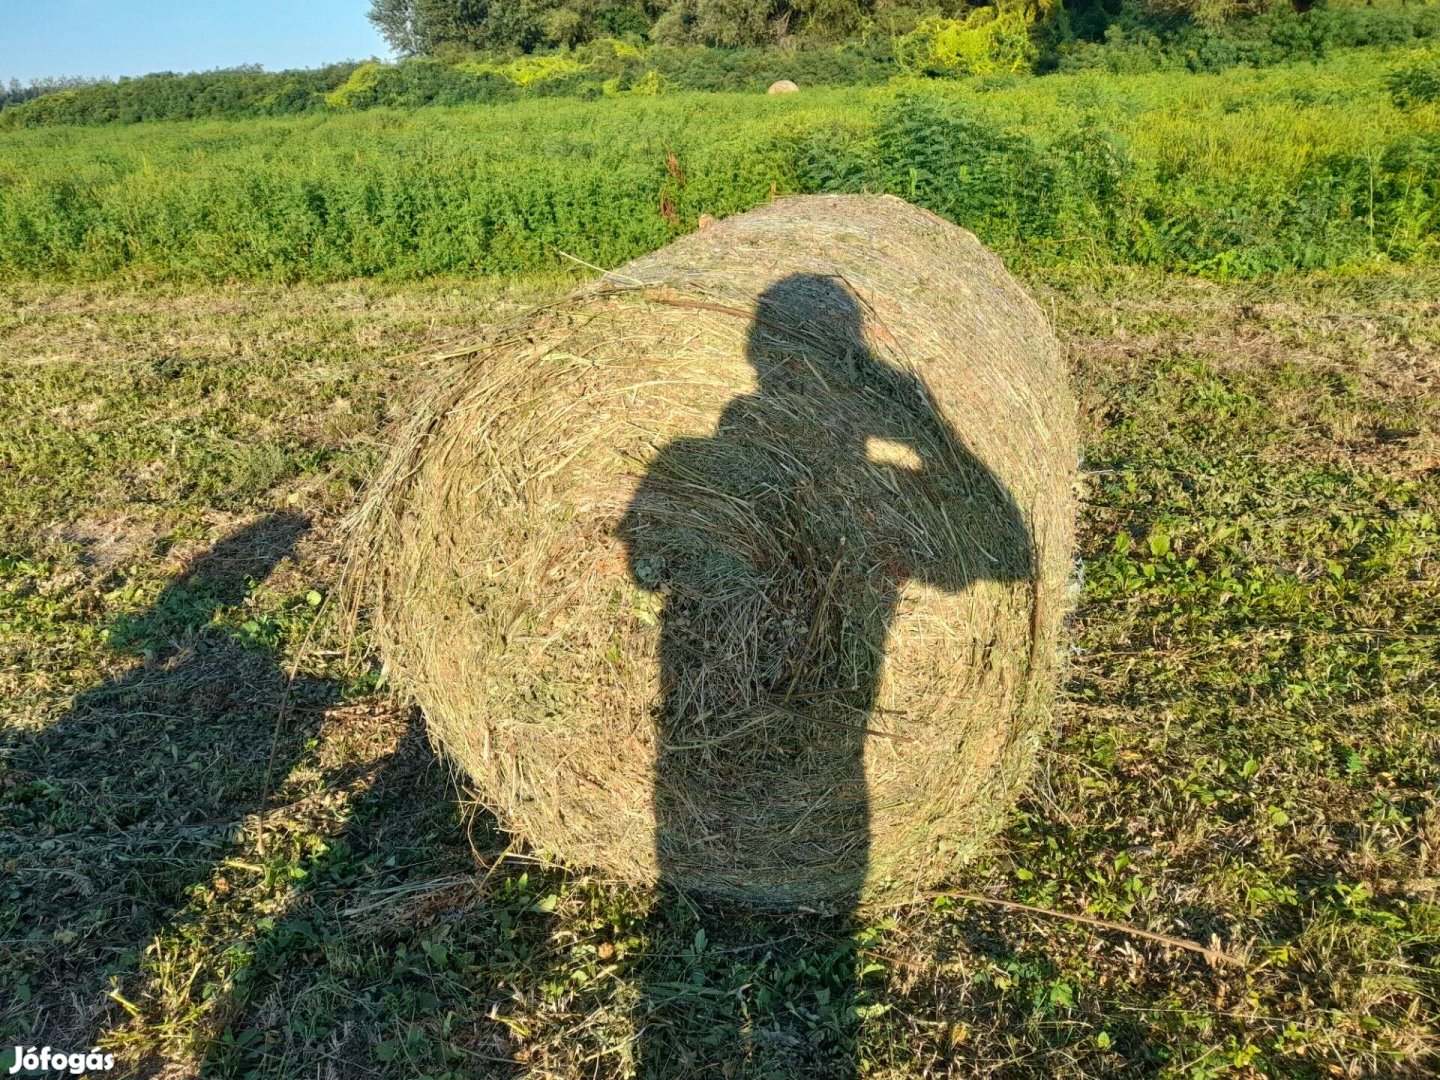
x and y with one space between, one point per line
780 551
744 569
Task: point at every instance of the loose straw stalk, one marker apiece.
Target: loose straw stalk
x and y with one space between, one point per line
1215 956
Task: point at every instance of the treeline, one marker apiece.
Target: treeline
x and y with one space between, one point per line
441 27
968 28
17 93
229 92
1131 44
1013 37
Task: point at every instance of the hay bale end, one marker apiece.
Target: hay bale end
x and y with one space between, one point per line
745 567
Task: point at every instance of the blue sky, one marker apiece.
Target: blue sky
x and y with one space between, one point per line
134 37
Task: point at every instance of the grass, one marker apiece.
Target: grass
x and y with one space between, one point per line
209 873
1233 175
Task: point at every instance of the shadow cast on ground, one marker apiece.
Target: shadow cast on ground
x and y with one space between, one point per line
136 791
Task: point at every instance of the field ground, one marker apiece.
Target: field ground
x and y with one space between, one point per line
208 873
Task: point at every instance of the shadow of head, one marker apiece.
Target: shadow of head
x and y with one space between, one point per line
808 337
219 579
815 309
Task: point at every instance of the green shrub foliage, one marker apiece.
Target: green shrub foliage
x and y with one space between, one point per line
1416 83
510 53
1305 167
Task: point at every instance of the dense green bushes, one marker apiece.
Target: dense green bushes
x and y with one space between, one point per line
697 68
1416 83
985 42
17 93
1086 195
1299 168
593 70
1132 45
237 92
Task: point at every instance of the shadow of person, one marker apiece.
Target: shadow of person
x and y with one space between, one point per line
780 546
114 813
395 867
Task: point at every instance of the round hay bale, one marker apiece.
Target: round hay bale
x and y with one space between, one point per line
783 86
745 567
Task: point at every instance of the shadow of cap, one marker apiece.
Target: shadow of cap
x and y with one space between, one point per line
218 579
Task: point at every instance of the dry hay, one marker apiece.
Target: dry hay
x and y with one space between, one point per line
783 86
745 567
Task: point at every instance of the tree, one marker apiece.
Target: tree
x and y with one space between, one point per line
420 27
396 21
830 20
733 22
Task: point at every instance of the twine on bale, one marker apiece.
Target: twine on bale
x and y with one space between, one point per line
744 567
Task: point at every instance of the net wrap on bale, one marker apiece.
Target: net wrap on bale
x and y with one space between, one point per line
745 567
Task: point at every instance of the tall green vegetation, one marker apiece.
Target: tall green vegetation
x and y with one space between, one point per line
1312 166
570 53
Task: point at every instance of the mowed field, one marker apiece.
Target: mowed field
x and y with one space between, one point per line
228 852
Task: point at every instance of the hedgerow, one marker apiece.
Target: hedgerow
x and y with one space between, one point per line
1011 37
1303 168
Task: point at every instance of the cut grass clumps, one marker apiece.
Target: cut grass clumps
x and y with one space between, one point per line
745 568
